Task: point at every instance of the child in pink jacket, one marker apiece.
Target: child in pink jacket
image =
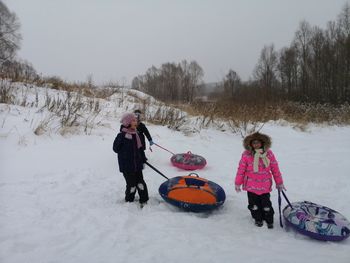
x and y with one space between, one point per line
255 171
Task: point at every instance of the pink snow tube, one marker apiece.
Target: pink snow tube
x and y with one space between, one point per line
188 161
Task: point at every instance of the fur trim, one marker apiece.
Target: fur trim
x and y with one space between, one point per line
265 139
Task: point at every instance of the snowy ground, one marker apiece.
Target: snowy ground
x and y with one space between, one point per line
61 198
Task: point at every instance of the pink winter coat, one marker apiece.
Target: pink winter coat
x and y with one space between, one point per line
260 182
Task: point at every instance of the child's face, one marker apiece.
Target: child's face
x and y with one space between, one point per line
138 117
133 124
256 144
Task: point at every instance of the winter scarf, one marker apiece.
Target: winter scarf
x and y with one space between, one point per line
260 154
129 133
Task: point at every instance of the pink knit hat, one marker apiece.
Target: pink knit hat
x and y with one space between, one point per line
127 118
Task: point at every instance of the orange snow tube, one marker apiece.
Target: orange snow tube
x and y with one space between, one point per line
192 193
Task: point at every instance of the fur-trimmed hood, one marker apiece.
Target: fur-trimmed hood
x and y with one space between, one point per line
265 139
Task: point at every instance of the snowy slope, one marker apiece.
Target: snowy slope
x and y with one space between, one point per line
61 198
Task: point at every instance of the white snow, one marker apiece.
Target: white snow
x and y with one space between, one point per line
61 197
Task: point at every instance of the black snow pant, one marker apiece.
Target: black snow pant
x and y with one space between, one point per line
260 207
135 182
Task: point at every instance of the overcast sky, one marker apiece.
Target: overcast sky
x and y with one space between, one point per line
116 40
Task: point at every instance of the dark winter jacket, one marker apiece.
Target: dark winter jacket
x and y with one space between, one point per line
142 129
130 158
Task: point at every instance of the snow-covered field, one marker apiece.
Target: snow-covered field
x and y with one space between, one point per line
61 197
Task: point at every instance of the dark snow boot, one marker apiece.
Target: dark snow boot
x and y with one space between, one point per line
259 223
269 226
130 193
143 204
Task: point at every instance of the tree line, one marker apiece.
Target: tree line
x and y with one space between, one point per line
173 82
315 67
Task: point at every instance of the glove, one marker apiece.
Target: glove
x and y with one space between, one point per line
151 142
281 187
238 188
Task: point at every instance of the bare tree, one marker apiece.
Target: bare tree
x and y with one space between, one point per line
231 83
344 53
266 70
171 82
317 43
288 70
9 33
302 44
186 80
18 70
90 81
136 83
196 76
344 20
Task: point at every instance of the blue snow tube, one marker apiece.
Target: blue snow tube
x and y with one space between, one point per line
193 194
317 221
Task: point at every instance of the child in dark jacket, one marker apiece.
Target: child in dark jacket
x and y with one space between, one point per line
143 131
131 158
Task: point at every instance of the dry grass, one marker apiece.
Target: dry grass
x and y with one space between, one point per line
84 88
73 110
67 110
171 117
44 125
302 113
79 106
242 118
6 93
